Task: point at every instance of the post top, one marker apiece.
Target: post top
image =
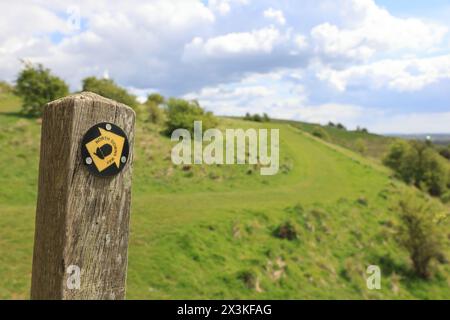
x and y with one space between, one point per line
87 95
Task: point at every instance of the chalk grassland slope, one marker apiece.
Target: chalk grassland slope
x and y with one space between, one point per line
209 231
375 146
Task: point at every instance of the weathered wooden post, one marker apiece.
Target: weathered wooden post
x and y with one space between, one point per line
83 209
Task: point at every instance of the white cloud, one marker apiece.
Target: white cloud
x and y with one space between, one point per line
276 15
141 94
300 41
23 30
281 94
282 97
239 43
275 93
223 93
324 113
372 29
411 74
223 7
139 43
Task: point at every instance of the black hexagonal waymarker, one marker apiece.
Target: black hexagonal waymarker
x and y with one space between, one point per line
105 149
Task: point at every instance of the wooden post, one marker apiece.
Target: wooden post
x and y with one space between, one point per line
81 232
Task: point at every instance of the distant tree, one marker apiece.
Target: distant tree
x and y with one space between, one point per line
155 113
430 173
361 129
109 89
257 118
420 234
154 103
38 86
394 159
182 114
416 163
156 98
341 126
331 124
435 175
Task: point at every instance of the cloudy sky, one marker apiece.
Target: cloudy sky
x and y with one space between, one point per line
380 64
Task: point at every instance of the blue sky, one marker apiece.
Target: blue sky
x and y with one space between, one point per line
415 8
380 64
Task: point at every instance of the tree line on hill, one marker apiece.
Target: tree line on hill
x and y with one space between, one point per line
256 117
340 126
36 85
336 125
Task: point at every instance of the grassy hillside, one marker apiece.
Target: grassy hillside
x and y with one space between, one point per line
211 231
375 146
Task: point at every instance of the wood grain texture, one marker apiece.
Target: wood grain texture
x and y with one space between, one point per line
81 219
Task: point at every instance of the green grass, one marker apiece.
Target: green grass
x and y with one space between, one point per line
208 232
375 146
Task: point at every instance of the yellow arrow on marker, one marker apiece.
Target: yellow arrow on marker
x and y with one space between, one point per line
102 154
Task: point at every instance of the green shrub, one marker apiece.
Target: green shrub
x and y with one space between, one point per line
419 233
394 159
362 201
249 278
156 114
156 98
37 86
153 104
257 118
320 132
416 163
286 230
109 89
182 114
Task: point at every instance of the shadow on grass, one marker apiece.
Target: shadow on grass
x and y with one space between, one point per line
389 266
